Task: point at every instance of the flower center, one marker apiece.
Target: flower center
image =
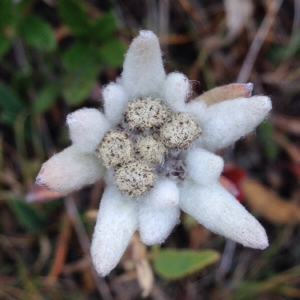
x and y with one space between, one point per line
134 179
150 143
180 131
115 148
150 149
145 114
174 167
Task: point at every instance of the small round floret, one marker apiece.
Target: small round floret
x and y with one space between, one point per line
134 179
150 150
146 114
180 132
115 148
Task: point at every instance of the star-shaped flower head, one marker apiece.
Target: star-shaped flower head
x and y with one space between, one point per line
156 153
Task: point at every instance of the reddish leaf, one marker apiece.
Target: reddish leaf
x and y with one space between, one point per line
40 193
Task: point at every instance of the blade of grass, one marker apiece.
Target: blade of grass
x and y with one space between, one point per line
61 250
258 41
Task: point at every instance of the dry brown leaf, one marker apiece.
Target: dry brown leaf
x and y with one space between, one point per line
199 236
238 15
87 280
288 124
40 193
77 266
144 272
91 214
291 149
191 10
62 32
44 254
61 250
265 203
226 92
145 277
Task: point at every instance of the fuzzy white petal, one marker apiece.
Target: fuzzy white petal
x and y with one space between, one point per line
115 100
196 108
216 209
156 224
115 225
87 126
203 167
164 194
143 71
176 90
70 170
224 123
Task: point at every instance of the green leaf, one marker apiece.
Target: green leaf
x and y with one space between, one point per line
25 5
265 132
7 13
78 84
175 264
103 28
4 45
11 104
26 215
83 66
74 15
247 290
276 53
112 52
79 55
37 33
45 99
295 48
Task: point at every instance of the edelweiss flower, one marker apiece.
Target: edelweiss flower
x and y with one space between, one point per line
158 153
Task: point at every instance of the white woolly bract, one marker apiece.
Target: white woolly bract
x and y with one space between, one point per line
156 224
195 108
164 194
213 207
203 167
70 170
115 225
226 122
143 71
115 100
176 90
87 126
